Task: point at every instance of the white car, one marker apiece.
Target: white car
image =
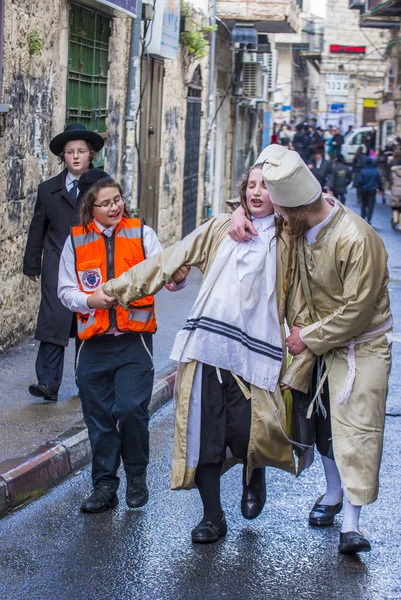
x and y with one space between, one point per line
352 142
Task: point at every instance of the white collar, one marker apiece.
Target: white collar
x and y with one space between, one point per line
263 223
108 231
312 233
70 178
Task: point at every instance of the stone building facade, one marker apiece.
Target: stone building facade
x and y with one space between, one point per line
35 85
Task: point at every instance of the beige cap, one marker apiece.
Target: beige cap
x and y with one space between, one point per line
288 180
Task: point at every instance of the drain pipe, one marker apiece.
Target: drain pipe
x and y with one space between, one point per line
208 185
130 109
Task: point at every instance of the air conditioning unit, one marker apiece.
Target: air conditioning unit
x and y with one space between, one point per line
268 70
251 80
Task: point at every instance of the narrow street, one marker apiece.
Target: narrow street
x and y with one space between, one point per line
51 551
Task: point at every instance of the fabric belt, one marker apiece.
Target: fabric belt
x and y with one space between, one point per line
345 393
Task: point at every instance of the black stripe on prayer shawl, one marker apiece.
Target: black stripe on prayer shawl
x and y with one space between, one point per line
234 333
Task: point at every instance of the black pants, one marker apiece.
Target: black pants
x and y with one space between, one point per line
368 200
324 442
115 376
225 417
50 363
341 196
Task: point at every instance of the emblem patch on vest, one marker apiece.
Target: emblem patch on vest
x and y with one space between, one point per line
90 279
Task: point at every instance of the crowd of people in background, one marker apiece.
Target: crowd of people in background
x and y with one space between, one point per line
372 171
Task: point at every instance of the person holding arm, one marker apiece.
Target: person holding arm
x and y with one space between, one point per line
231 354
115 363
344 276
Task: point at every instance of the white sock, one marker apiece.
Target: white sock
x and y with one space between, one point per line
351 517
334 492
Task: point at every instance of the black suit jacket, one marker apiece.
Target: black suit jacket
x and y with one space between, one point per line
55 212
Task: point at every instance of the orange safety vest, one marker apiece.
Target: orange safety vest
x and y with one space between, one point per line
99 258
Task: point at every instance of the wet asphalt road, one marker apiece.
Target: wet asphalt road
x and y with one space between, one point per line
50 551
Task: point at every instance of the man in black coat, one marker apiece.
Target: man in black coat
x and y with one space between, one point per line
337 142
321 168
56 210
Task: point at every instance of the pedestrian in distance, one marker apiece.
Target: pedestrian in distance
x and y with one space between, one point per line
395 194
344 276
337 142
56 209
370 182
321 168
115 364
340 179
358 162
230 406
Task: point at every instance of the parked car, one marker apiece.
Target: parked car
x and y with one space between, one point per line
352 142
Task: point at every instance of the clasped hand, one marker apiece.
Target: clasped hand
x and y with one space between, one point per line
294 341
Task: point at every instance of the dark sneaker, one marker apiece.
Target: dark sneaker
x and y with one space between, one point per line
102 498
207 532
137 490
352 542
43 391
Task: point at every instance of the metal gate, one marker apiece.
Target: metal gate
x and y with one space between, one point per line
191 165
88 59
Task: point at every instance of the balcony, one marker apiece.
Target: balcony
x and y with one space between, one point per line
281 16
381 15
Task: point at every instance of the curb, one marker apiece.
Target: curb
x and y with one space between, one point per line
28 477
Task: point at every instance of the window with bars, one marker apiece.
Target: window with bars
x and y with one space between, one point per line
87 68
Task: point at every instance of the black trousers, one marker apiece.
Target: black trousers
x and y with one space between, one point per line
368 200
115 376
49 364
225 417
324 442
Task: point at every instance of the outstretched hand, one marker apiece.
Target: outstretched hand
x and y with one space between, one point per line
241 228
99 299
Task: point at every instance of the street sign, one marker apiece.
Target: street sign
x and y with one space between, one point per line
337 108
337 84
340 49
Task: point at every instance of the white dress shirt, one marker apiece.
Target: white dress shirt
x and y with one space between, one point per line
69 180
69 290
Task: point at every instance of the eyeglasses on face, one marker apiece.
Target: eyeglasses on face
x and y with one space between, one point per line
80 151
109 203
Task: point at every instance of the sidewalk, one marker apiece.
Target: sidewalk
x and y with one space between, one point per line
41 443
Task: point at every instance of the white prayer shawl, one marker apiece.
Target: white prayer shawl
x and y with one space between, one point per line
234 322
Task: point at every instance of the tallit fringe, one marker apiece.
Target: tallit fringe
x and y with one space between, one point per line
345 393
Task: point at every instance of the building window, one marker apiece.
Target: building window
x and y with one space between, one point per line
88 58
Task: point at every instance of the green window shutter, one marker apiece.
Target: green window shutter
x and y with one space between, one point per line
87 68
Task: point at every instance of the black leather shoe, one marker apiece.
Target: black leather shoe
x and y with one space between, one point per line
322 515
43 391
207 532
137 491
352 542
253 495
102 498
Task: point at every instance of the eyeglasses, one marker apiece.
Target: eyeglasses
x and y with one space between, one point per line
80 151
117 201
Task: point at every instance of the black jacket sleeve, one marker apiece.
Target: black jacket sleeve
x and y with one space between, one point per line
36 235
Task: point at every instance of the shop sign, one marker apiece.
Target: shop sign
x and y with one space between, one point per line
126 6
340 49
386 111
337 84
337 108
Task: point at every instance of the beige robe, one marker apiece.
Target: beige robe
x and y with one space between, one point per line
269 444
344 277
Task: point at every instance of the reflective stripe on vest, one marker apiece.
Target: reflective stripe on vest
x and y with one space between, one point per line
91 263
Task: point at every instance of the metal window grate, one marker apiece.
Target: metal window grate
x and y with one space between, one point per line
87 68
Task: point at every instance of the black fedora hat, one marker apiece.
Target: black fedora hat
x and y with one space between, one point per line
75 131
90 178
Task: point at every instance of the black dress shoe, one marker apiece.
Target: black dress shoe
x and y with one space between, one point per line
322 515
207 532
102 498
352 542
254 494
43 391
137 491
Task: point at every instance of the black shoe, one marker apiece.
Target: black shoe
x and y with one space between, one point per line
207 532
322 515
43 391
137 491
102 498
253 495
352 542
